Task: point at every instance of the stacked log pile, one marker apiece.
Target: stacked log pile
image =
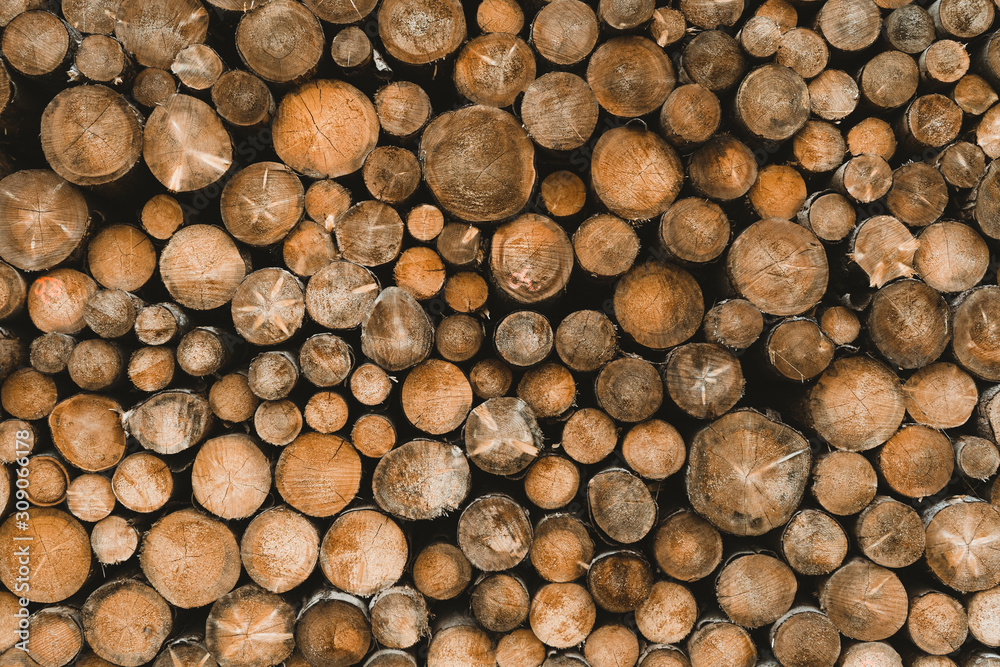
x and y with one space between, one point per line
566 333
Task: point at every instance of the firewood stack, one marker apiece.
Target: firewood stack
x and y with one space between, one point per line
423 332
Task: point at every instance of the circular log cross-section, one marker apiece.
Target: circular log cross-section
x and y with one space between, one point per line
963 544
403 474
635 173
975 341
59 555
268 307
190 559
857 404
87 431
418 33
659 305
250 627
493 69
363 553
262 203
631 76
531 258
755 105
42 219
755 590
279 549
478 163
502 436
621 505
185 144
778 266
325 129
126 622
704 380
201 267
494 533
866 602
91 135
747 473
156 32
231 477
318 474
242 99
280 41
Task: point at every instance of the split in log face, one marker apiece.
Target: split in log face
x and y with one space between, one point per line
459 149
761 476
937 623
37 43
